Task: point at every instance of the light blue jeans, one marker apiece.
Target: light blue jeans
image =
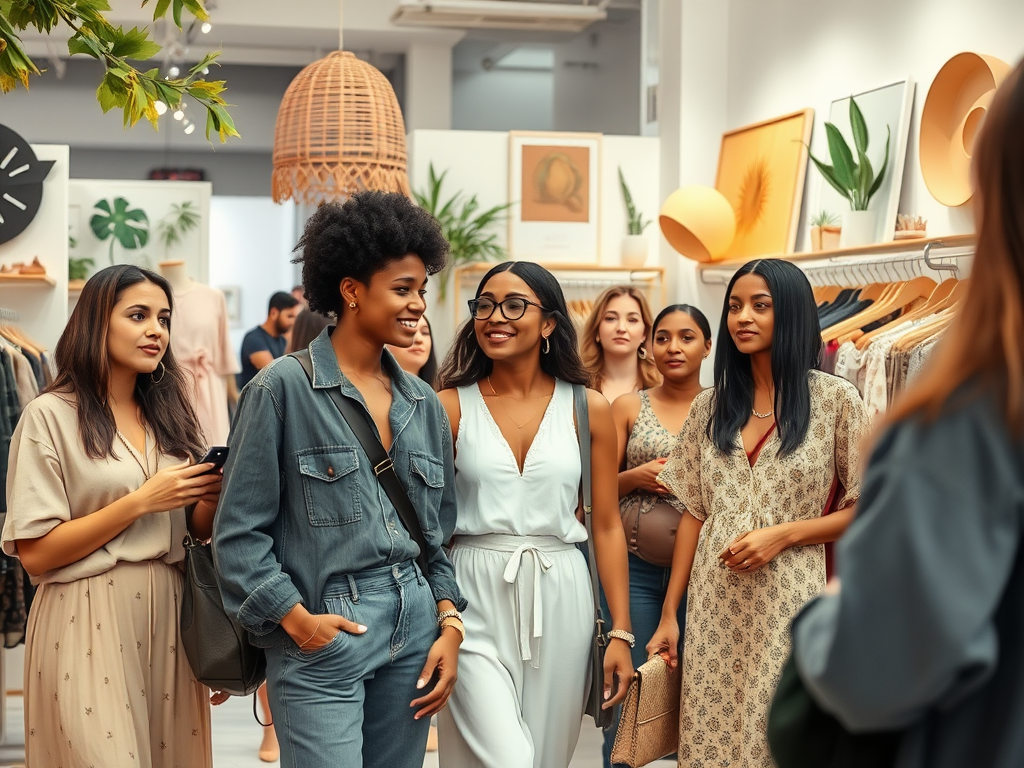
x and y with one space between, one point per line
348 702
647 586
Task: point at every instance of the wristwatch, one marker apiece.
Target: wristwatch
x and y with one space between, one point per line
450 614
621 634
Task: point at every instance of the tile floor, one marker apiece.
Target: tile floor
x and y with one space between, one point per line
236 739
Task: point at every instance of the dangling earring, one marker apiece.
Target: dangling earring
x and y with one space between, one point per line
641 352
163 372
547 345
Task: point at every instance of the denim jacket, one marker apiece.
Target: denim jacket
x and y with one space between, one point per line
300 503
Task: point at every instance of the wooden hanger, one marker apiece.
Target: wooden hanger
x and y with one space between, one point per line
909 292
934 303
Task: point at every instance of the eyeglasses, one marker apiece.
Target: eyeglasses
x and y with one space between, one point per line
511 309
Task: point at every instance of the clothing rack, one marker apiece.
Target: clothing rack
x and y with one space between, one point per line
903 261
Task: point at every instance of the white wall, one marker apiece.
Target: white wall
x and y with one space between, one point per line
251 239
796 54
503 100
478 163
792 54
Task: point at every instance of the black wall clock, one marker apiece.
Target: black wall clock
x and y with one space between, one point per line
21 184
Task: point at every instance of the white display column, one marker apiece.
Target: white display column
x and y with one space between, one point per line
428 86
692 116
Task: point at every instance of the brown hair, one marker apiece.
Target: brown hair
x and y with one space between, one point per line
591 352
308 325
83 371
984 340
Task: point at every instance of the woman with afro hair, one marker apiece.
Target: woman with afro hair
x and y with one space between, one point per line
312 556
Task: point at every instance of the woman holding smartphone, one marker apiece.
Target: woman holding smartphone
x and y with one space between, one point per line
101 470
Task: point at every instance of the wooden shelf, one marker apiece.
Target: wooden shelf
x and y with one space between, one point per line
75 287
877 249
31 280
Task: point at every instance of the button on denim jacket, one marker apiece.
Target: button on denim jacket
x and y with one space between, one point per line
300 503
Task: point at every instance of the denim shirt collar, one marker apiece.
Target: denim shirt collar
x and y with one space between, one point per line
327 373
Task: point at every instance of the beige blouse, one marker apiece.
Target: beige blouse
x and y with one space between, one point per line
51 479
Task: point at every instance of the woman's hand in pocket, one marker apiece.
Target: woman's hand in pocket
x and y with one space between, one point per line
312 632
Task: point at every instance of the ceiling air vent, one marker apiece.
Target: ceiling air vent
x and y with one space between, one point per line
498 14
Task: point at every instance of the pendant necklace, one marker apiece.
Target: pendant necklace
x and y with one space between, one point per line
501 401
145 471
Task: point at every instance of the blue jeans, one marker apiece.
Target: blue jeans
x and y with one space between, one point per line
647 586
347 703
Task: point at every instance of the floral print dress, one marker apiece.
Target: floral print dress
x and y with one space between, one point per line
737 624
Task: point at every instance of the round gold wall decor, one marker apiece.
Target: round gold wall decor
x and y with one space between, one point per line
953 112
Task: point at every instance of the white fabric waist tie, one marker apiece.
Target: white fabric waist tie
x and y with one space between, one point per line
529 606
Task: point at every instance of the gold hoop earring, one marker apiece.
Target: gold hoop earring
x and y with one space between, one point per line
163 372
547 345
641 353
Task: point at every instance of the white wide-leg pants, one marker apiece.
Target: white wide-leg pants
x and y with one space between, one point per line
524 666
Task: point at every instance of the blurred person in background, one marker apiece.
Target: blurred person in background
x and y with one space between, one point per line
419 358
614 343
922 630
267 342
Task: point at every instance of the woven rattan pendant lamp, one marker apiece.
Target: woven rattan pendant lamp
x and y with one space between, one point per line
339 131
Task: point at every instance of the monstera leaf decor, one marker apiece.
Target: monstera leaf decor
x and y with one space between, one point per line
120 224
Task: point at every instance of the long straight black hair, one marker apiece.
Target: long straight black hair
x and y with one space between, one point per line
83 371
796 349
467 364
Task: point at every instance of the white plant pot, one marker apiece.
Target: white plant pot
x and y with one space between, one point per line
634 251
858 229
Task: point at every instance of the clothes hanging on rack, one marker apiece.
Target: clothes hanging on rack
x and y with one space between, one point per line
19 383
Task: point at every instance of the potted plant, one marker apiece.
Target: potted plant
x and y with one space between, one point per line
825 231
634 244
467 229
854 179
173 227
78 269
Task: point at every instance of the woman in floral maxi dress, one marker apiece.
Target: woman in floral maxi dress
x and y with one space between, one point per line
759 460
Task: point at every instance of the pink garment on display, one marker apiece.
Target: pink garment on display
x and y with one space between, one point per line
202 345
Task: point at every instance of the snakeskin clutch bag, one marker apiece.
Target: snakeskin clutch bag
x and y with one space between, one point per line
649 725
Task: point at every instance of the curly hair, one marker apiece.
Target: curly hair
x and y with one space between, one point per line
358 238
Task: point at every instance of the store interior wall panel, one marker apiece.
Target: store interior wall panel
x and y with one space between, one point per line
251 242
503 100
786 56
43 309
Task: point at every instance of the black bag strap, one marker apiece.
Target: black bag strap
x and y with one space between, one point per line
359 422
579 399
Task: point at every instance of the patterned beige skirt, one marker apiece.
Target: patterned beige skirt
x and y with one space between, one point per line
106 681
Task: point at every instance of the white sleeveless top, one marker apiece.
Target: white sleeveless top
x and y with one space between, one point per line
493 497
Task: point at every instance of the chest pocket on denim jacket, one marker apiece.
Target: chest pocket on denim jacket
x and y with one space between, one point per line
330 484
427 475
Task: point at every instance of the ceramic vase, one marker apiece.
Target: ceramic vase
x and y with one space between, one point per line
634 251
858 229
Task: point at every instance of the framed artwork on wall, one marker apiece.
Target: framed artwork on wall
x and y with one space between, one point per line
233 302
554 187
761 171
888 106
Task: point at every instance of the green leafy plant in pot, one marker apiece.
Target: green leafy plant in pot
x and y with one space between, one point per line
634 244
854 178
467 229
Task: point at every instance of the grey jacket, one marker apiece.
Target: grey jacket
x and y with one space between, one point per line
927 631
300 503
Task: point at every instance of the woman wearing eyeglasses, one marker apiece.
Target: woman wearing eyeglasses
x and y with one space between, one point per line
507 389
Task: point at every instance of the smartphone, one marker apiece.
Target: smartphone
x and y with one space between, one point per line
218 454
